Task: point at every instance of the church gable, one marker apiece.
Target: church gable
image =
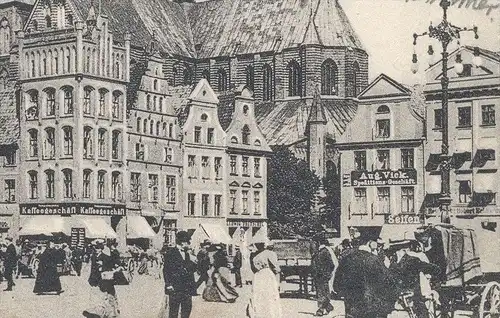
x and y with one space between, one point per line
384 86
50 15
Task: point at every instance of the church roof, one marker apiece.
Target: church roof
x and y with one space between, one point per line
227 27
317 113
143 17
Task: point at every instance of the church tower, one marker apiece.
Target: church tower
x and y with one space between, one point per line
316 135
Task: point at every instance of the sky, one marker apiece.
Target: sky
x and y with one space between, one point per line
386 29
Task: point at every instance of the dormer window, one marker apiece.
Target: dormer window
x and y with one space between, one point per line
245 135
204 117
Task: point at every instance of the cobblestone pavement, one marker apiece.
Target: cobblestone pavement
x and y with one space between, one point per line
141 299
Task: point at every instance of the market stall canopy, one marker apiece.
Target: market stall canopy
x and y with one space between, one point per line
213 232
97 227
43 225
397 232
138 227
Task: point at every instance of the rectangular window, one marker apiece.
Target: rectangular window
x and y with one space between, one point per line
33 181
170 189
87 142
407 158
49 183
407 200
33 143
68 183
68 141
153 188
139 151
204 204
438 118
256 167
232 202
384 200
218 167
68 101
360 160
116 186
101 143
256 203
244 166
192 169
86 102
197 134
135 186
115 145
51 103
210 136
10 190
360 201
86 183
102 103
232 165
205 167
217 204
168 153
191 203
50 143
116 106
464 116
383 161
383 128
464 191
10 158
100 184
488 115
244 202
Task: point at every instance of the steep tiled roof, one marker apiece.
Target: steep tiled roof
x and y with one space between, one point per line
226 27
9 124
143 17
179 101
284 123
137 70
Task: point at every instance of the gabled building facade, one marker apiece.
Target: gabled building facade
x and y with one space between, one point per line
474 100
381 159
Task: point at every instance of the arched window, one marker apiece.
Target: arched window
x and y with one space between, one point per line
155 85
383 109
145 126
160 105
70 20
234 140
329 78
245 135
204 117
158 128
117 101
67 141
35 25
138 125
68 183
355 79
148 102
155 101
206 75
116 186
171 130
267 82
88 137
48 21
164 130
101 143
222 80
68 100
101 185
116 145
50 143
87 100
32 107
33 184
33 145
294 79
102 101
187 76
4 36
87 174
174 76
151 127
49 184
249 74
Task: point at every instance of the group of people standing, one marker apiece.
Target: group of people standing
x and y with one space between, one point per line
211 264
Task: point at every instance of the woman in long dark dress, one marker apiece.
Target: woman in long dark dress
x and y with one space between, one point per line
218 287
47 278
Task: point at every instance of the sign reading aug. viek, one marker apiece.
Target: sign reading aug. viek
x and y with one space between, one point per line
383 178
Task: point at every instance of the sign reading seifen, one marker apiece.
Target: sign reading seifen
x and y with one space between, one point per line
72 209
383 178
404 219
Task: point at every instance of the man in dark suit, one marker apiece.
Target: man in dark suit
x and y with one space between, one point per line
365 283
178 273
10 263
203 263
322 267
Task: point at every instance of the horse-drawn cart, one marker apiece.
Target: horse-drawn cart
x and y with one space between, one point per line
470 270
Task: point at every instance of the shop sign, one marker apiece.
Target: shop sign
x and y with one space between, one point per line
404 219
383 178
72 209
244 223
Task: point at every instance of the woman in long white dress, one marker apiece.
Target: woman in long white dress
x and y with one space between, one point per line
265 299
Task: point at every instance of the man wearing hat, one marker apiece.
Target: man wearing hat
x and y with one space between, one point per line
203 263
178 273
237 264
10 263
407 271
323 264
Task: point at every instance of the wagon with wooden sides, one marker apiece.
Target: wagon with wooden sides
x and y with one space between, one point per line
470 269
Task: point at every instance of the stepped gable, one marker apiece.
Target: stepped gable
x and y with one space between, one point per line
142 18
227 27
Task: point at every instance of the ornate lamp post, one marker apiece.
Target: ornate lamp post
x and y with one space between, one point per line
445 33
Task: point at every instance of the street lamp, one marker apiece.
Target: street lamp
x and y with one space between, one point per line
445 33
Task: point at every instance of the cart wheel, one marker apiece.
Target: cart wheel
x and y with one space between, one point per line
489 307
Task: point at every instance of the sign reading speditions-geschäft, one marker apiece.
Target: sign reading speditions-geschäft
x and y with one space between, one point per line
72 209
383 178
